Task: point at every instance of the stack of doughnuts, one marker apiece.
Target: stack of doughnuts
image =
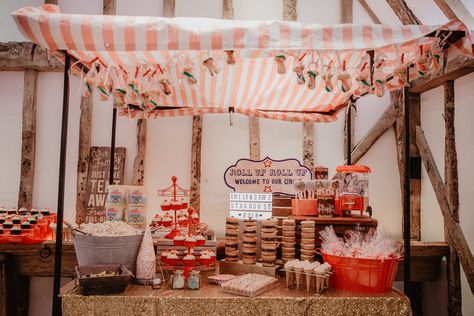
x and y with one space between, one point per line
249 245
232 239
288 240
308 234
269 242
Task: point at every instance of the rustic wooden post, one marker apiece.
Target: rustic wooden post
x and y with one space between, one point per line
452 194
346 17
195 199
28 145
370 12
139 163
85 129
169 8
401 9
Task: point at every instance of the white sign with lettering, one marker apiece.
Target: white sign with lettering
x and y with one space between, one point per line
251 205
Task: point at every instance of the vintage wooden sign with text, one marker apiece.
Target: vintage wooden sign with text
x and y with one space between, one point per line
266 175
98 180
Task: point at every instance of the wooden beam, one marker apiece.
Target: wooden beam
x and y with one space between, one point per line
346 11
455 9
139 163
415 164
109 7
396 98
228 9
370 12
457 67
195 199
28 145
456 236
169 8
55 2
254 138
85 130
289 10
380 127
401 9
308 145
453 269
18 56
346 17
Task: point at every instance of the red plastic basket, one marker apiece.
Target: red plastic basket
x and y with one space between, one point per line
362 275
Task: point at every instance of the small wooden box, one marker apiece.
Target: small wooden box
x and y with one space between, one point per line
304 207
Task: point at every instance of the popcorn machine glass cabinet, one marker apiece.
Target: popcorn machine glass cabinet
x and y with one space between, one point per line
353 189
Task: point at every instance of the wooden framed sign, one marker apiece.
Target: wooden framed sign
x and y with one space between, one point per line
98 180
266 175
251 205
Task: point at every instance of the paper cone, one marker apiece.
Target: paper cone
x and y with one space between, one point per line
146 260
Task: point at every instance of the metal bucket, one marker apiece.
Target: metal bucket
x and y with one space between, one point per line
96 250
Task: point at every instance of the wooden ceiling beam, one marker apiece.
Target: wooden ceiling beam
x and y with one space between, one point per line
18 56
405 15
370 12
455 9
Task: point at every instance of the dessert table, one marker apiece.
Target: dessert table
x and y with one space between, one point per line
209 300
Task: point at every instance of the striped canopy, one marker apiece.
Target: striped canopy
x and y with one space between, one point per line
254 85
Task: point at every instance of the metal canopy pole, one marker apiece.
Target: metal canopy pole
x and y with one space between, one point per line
112 146
406 204
62 176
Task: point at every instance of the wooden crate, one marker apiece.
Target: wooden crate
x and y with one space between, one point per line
238 268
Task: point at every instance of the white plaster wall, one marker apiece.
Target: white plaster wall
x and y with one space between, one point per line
169 140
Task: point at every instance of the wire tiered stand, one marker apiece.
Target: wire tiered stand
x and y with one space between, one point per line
174 191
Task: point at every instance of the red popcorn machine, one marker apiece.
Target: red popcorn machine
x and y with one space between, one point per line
353 193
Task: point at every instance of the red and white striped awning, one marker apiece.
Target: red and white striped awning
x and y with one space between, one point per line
252 85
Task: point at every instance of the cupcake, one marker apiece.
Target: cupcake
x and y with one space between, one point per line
15 230
184 204
182 220
25 225
3 210
156 221
167 221
8 224
165 206
2 219
190 241
11 211
45 211
179 240
22 211
189 260
34 211
172 258
164 256
175 206
200 240
205 259
16 219
32 220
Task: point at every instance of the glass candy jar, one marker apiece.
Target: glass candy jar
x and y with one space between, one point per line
194 280
178 280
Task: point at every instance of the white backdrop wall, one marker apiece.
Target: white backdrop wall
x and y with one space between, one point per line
169 139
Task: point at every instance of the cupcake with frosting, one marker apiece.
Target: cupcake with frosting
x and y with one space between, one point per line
15 230
25 225
16 219
175 205
2 219
11 211
179 240
184 204
167 221
164 256
22 211
34 211
156 221
172 258
200 240
45 211
205 259
32 220
8 224
190 241
3 210
182 220
166 205
189 260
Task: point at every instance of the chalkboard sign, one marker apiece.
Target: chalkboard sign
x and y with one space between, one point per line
98 180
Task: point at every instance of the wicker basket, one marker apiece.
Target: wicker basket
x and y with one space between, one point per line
102 285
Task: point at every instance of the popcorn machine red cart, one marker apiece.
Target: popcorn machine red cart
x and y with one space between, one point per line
353 190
